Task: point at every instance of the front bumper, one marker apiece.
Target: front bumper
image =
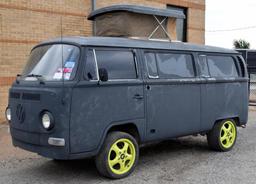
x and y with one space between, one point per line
38 143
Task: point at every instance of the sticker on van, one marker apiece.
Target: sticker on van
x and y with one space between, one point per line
69 64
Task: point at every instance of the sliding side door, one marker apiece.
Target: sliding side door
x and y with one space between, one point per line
172 94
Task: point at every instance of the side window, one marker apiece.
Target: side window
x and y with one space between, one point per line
222 66
175 65
203 66
90 66
150 59
119 64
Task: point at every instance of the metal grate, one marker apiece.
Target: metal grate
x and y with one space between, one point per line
253 88
28 96
14 95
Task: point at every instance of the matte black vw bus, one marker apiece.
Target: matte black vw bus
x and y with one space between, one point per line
103 97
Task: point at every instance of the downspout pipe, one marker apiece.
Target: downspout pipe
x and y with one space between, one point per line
93 24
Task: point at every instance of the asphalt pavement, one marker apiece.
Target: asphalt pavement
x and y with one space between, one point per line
186 160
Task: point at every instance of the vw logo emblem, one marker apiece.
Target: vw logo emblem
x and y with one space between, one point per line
20 113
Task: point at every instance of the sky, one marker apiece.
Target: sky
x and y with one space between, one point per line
230 15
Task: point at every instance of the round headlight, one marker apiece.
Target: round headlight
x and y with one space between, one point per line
47 121
8 114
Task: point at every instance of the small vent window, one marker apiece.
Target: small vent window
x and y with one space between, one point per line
203 66
151 65
90 66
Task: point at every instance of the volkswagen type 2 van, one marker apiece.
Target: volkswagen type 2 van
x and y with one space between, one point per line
100 97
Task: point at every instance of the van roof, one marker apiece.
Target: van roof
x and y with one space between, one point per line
138 43
137 9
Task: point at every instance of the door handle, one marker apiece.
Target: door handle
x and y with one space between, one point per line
138 96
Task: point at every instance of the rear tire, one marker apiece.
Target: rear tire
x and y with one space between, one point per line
223 135
118 156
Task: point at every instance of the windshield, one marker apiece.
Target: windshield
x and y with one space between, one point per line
52 62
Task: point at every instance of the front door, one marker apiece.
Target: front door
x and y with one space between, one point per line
172 95
97 105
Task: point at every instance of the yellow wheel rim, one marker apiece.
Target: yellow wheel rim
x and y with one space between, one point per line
227 134
121 156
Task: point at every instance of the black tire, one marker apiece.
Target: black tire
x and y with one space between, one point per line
102 158
58 160
214 137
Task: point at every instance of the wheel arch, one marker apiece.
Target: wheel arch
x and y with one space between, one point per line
235 118
127 127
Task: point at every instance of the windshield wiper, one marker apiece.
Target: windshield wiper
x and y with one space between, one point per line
40 78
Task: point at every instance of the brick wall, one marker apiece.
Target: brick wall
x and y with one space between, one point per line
24 23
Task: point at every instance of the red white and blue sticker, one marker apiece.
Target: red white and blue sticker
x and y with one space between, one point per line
69 64
66 72
67 76
58 74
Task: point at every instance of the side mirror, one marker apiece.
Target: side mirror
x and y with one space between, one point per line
103 74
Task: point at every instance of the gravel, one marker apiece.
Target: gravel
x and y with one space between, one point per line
185 160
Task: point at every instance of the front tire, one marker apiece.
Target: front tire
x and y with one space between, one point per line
223 135
118 156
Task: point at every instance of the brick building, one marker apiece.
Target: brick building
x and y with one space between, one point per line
24 23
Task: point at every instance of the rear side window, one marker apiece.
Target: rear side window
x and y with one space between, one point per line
175 65
222 66
119 64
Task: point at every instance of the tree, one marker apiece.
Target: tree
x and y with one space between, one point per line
241 44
